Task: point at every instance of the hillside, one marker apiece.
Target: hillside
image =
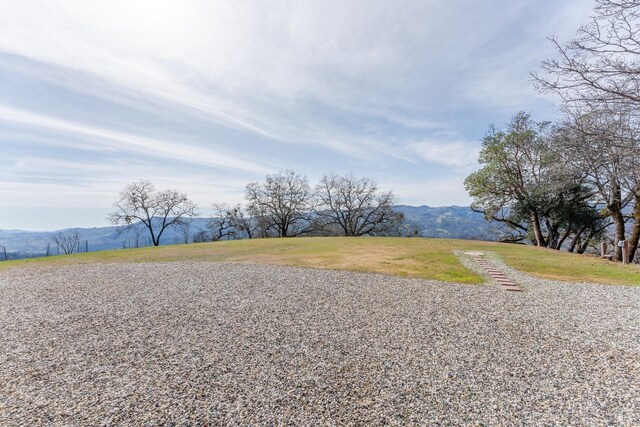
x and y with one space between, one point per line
409 257
454 222
25 244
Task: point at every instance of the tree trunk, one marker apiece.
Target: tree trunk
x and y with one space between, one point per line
582 248
552 235
535 221
618 221
615 209
576 239
635 232
149 226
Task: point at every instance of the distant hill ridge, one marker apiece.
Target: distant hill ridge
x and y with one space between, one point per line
453 222
456 222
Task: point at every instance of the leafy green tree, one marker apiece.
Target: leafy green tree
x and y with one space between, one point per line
523 184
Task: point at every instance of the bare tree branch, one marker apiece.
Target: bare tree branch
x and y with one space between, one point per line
355 206
284 200
67 241
139 203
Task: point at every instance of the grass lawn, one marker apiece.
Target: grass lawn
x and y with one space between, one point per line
416 257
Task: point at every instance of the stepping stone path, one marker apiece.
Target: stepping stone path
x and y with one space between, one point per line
494 272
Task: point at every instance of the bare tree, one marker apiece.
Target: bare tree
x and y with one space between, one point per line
247 223
4 252
138 235
222 222
355 206
602 64
67 241
202 236
285 202
605 145
634 238
139 203
185 229
597 75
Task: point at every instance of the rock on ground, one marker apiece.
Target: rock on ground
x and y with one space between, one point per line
232 344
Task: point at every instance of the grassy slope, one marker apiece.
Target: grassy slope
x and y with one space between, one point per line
424 258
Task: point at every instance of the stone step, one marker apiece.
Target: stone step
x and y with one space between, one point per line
496 274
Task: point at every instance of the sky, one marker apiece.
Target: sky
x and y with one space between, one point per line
207 96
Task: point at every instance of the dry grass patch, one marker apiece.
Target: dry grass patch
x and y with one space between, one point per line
417 257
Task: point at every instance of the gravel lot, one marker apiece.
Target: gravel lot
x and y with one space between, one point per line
234 344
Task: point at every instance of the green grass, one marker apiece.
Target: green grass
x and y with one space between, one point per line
423 258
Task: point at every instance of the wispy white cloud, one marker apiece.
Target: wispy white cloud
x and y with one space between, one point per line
248 64
247 87
127 142
462 155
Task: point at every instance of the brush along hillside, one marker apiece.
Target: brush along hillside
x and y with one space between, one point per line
410 257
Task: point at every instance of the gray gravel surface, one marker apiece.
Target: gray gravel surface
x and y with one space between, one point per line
236 344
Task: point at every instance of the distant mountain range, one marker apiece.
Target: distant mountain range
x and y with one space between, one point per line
455 222
452 222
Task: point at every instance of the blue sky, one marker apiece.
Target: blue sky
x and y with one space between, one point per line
206 96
